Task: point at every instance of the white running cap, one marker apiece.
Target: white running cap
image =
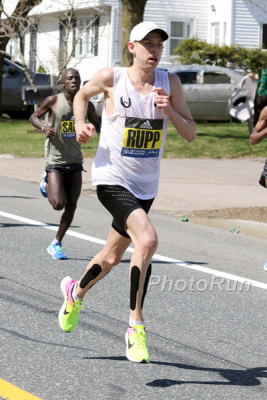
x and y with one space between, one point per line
142 29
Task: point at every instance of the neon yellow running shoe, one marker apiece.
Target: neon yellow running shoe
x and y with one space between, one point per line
69 313
136 349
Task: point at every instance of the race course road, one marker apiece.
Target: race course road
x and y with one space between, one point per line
206 318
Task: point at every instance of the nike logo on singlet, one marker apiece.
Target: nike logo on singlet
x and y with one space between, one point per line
142 138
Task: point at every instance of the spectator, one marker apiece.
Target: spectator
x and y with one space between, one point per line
260 100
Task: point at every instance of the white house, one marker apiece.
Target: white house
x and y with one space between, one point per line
97 24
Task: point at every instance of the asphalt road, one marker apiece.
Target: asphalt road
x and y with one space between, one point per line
206 328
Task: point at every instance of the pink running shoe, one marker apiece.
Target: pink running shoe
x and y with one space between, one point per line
69 313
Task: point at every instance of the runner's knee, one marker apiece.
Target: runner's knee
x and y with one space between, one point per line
110 260
57 205
147 243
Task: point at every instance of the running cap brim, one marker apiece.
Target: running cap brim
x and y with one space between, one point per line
142 29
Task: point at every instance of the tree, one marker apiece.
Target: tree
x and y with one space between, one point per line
11 24
132 14
71 35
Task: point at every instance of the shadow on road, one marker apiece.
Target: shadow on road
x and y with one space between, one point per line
233 377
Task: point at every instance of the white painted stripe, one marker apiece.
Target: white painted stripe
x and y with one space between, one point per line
158 257
51 228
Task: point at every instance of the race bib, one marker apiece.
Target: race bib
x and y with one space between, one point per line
68 129
142 137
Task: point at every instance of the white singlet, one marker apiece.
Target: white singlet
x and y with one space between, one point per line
132 139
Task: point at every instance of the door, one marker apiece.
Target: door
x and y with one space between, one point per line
215 90
190 88
12 80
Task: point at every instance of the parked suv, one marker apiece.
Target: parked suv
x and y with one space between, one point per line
208 89
18 96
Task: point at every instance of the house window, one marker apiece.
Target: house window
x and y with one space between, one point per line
264 36
180 30
66 48
87 36
215 32
13 46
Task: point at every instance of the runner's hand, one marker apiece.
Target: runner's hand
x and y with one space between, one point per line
162 100
49 132
84 132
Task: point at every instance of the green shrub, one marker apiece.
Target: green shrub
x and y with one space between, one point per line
196 51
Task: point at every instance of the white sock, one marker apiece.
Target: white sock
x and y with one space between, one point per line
74 295
55 241
132 323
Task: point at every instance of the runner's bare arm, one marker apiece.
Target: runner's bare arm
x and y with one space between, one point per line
35 119
175 107
101 82
260 130
92 117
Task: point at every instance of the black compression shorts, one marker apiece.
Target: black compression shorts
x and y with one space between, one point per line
262 180
120 203
64 168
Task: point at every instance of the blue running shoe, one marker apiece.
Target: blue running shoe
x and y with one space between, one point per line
56 251
265 266
43 185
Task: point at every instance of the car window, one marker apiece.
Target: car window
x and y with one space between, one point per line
187 76
5 69
216 77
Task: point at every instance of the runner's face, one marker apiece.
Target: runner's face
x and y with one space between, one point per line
149 49
71 81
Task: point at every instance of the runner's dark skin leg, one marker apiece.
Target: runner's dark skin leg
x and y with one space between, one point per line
63 191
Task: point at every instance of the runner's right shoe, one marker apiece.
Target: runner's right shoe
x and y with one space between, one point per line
43 185
136 349
69 313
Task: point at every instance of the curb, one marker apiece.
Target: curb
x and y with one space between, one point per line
246 227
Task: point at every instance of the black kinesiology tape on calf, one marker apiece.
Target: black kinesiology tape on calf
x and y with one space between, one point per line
90 275
134 286
148 274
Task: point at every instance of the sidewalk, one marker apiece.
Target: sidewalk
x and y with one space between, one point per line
186 185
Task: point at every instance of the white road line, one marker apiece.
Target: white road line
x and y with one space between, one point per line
51 228
158 257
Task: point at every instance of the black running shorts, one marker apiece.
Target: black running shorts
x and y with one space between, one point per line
64 169
262 180
120 203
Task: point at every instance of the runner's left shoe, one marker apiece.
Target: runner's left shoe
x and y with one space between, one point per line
136 349
56 251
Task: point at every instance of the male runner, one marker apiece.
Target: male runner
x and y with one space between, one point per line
62 180
139 102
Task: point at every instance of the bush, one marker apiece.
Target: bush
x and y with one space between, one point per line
196 51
